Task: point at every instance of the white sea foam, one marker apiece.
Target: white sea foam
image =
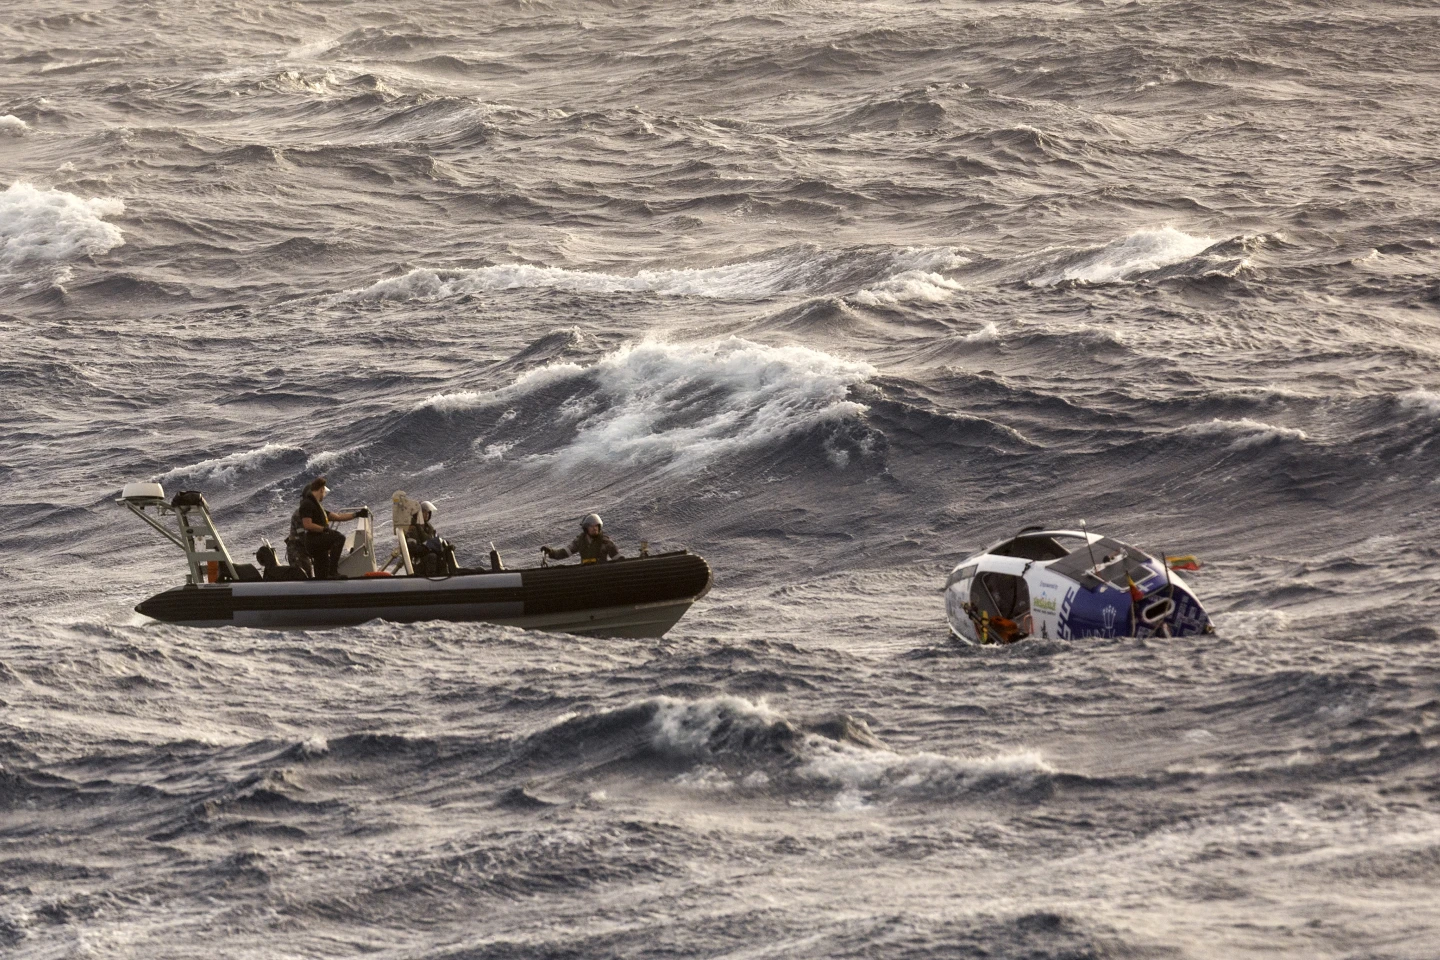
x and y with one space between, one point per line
38 225
1426 401
314 746
705 780
226 469
327 460
698 729
707 728
988 333
917 278
13 126
691 402
1140 252
907 274
737 282
1247 433
854 768
908 286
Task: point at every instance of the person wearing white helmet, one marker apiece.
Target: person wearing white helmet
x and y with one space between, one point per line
592 546
425 543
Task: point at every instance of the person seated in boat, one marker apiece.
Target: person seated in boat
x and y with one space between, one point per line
274 570
429 552
321 542
592 546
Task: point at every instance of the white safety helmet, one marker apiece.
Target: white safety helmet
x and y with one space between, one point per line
592 520
427 507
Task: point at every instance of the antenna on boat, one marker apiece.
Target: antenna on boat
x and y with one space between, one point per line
1094 567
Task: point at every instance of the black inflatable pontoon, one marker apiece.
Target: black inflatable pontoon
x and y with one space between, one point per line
642 597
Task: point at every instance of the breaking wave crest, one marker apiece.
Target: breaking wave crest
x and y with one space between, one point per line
837 754
909 286
52 226
1423 401
225 470
651 401
1246 433
1141 253
881 276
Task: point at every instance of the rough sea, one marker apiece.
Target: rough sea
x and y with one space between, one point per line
829 292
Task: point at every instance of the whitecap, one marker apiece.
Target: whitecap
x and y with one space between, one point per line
889 276
988 333
700 728
706 728
225 469
908 286
1247 433
1141 252
690 402
1425 401
13 126
855 769
40 225
736 282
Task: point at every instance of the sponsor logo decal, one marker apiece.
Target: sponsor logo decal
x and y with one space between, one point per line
1062 628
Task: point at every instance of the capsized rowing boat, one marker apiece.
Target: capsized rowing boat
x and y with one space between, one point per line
1070 585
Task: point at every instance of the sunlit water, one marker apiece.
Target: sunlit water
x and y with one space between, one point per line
830 293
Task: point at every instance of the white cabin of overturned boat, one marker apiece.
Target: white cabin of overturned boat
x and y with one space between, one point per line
1066 585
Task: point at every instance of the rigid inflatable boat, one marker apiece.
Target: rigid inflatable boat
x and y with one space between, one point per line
640 597
1069 585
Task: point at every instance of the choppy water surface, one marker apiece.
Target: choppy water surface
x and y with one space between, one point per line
830 292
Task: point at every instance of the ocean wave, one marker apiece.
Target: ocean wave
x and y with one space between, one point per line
1246 433
884 276
1424 401
1142 252
700 729
51 226
989 332
859 772
226 469
688 402
844 756
324 84
13 126
909 286
383 42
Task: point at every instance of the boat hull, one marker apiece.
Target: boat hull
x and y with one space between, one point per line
1033 587
625 598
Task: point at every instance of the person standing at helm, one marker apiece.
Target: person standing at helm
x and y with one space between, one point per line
323 543
592 546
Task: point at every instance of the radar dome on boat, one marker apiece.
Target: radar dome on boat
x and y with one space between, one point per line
142 491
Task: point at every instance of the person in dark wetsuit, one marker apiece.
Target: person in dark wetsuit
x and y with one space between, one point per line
425 544
592 546
323 543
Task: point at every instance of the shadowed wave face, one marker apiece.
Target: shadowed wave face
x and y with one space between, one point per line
832 294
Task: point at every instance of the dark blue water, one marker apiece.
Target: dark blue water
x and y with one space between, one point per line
831 293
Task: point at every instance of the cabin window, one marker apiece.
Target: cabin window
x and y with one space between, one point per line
964 573
1032 548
